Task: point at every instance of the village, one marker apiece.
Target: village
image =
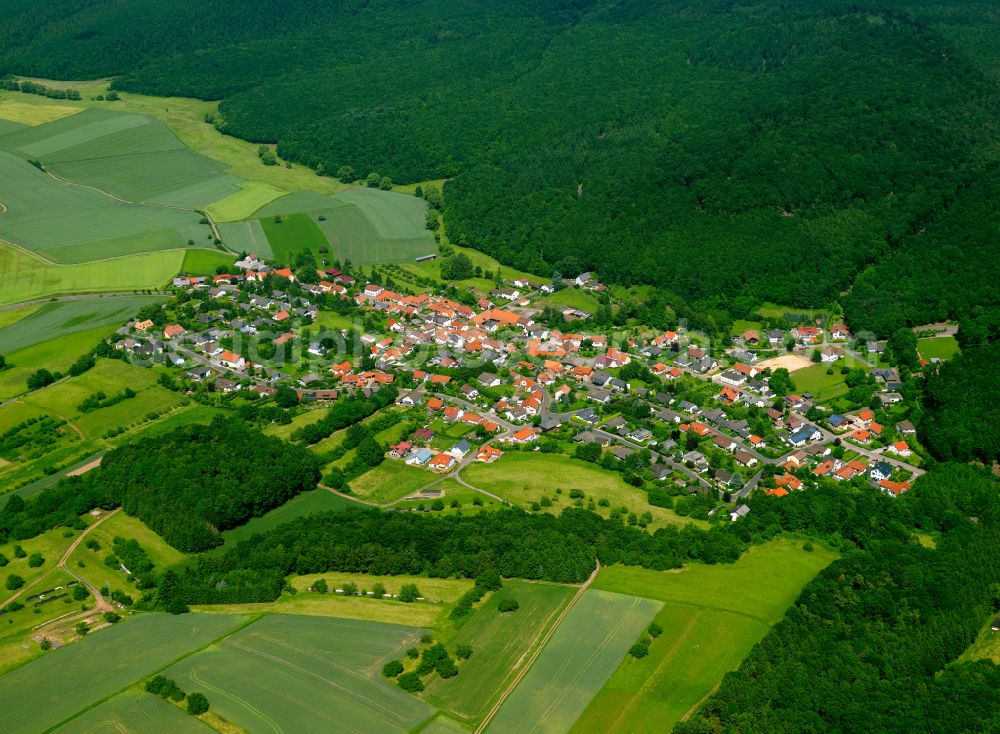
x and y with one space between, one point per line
494 374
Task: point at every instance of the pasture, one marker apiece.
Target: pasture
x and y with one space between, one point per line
712 617
941 347
134 712
24 277
54 355
575 663
323 675
50 690
62 318
33 114
524 478
501 644
205 262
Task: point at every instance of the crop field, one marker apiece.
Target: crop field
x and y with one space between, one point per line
292 233
204 262
253 195
307 503
523 478
942 347
48 691
59 319
389 481
33 114
712 617
134 712
577 661
24 277
323 675
501 644
247 236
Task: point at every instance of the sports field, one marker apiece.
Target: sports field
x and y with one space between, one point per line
576 662
59 319
712 616
322 675
134 712
501 645
942 347
24 277
523 478
52 689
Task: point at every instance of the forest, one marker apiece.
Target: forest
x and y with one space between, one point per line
726 152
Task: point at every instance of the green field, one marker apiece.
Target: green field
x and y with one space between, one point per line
294 232
242 204
54 355
389 481
712 617
821 386
439 591
24 277
32 114
575 663
501 645
942 347
204 262
572 298
246 236
523 478
322 675
133 712
50 690
59 319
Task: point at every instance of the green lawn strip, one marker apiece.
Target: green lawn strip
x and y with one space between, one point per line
67 682
321 672
574 665
501 644
524 478
712 617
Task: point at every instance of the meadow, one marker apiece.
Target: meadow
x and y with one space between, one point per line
434 590
252 196
323 675
289 233
62 318
52 689
501 645
575 664
815 381
134 712
54 355
524 478
389 481
204 262
32 114
24 277
712 616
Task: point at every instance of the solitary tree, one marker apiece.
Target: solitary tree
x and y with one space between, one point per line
197 704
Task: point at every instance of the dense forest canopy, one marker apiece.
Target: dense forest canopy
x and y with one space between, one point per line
721 149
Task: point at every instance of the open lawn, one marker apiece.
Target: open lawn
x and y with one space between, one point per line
135 712
389 481
941 347
34 114
501 644
52 689
204 262
575 664
61 318
322 675
712 617
815 381
523 478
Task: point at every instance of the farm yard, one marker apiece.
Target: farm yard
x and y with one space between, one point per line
711 617
323 674
575 663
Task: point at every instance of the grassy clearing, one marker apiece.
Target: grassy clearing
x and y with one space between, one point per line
572 298
34 114
501 643
322 673
204 262
524 478
241 205
942 347
24 277
445 591
389 481
61 318
577 661
986 646
55 687
135 712
712 617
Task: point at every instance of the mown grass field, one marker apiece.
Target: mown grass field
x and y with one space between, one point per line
523 478
52 689
135 712
712 616
62 318
574 665
816 382
389 481
942 347
501 644
24 277
572 298
322 675
204 262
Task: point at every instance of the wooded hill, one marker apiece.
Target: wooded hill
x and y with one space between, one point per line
728 152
